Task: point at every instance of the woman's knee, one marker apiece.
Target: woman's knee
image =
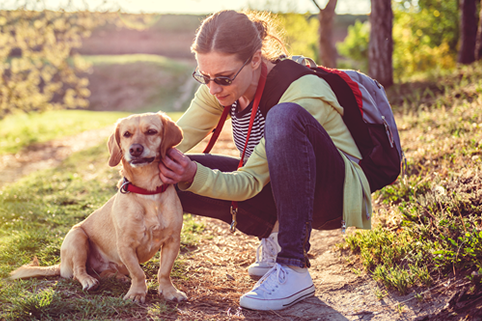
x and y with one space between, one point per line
281 120
283 112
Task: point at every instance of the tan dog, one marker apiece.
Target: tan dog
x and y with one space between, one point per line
130 228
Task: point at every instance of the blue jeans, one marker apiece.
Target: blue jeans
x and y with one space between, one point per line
307 175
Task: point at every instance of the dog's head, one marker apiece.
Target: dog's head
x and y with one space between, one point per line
143 138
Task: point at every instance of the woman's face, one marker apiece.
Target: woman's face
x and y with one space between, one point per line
215 64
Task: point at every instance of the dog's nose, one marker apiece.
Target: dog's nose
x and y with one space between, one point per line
136 150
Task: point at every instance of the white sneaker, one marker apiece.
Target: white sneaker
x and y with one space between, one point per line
278 289
269 251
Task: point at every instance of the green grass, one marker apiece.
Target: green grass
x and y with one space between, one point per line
35 214
140 82
21 130
429 224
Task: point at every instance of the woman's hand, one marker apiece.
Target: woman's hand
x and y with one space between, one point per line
177 167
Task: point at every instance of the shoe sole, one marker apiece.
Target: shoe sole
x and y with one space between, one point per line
256 277
261 272
260 305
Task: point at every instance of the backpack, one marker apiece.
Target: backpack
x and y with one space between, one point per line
367 114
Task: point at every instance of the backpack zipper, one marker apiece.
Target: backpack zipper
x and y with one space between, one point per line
388 131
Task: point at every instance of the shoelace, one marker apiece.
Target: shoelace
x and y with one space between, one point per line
270 281
268 253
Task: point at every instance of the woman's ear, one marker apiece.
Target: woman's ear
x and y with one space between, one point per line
256 60
171 134
114 148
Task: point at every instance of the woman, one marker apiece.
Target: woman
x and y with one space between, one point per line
300 171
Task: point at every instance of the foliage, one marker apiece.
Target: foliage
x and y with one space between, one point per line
355 46
417 48
36 75
425 38
430 224
438 20
39 67
300 33
36 213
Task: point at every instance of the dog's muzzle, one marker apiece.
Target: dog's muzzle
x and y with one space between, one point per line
135 152
141 161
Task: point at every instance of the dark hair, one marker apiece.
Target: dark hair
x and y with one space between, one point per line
239 33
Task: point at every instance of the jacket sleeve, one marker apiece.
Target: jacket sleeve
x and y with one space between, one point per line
254 175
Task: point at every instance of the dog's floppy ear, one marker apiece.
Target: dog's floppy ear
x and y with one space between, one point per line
114 149
171 134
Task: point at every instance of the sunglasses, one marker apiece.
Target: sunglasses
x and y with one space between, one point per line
221 80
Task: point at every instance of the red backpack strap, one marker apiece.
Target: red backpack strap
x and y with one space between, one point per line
217 130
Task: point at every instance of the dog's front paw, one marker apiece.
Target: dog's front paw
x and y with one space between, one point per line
172 294
136 296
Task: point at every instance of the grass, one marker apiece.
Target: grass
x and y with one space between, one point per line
427 227
140 83
21 130
429 224
35 214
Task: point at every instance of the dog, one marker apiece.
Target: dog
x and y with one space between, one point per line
143 217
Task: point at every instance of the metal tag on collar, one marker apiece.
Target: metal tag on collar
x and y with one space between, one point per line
234 212
343 226
123 187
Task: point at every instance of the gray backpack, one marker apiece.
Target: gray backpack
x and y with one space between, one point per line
367 114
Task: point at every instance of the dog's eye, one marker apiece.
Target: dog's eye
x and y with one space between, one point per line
151 132
127 135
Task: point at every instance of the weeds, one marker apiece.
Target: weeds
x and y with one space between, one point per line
380 294
435 225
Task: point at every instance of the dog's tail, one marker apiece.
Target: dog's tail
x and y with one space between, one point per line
34 270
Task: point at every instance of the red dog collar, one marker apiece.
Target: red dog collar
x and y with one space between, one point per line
128 187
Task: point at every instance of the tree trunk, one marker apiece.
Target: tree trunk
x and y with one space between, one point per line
478 42
328 53
380 48
468 31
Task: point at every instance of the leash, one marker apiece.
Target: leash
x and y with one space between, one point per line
128 187
219 127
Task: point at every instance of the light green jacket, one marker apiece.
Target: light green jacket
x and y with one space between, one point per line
313 94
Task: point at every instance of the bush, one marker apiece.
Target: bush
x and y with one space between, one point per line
36 73
301 33
416 51
39 67
425 38
355 46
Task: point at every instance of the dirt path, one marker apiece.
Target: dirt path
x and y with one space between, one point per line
341 293
217 268
48 155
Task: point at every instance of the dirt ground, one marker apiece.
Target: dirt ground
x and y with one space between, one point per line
218 267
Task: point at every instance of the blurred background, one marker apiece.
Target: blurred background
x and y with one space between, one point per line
135 55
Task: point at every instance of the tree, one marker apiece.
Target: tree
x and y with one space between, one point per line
327 47
380 47
478 42
468 31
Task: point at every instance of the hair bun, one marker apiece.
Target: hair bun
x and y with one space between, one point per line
262 27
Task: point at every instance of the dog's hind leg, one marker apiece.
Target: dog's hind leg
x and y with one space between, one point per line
169 253
73 256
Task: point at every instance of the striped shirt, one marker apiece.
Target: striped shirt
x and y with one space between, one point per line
240 124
